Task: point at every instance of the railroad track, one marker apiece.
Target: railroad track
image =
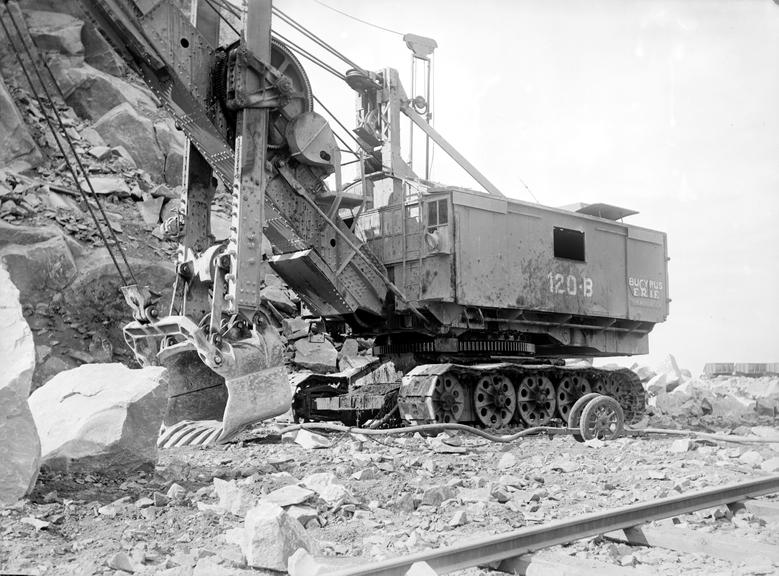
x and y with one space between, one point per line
513 551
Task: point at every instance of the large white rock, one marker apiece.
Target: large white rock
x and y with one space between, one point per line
100 416
20 448
269 537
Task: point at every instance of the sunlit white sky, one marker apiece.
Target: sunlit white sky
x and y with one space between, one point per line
667 107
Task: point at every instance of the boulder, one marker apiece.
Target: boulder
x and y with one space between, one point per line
108 185
232 497
99 54
124 126
294 328
279 298
100 417
269 537
316 356
39 259
16 143
92 93
20 448
54 32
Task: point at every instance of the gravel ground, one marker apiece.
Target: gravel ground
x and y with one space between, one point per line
412 493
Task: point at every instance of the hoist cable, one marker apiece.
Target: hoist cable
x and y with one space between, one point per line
223 17
303 30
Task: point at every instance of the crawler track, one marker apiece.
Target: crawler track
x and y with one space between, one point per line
496 395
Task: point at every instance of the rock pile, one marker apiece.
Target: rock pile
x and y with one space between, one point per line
676 397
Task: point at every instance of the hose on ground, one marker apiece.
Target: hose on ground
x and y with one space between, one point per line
506 438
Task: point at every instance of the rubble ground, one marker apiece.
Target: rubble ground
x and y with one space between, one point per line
398 495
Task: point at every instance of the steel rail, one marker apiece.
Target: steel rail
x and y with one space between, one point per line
481 551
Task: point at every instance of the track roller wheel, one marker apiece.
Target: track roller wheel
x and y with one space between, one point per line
494 400
614 386
448 399
569 390
602 418
536 400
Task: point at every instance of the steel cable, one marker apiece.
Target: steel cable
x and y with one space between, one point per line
311 36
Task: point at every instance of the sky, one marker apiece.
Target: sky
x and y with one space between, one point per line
670 108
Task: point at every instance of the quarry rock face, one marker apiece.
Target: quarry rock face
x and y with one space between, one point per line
20 447
91 93
16 144
124 126
100 417
54 32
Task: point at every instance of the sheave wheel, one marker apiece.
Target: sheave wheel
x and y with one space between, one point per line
602 418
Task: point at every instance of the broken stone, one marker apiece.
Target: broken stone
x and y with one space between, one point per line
682 445
20 448
366 474
751 458
150 210
459 519
421 569
770 465
99 152
294 328
108 185
508 460
316 356
16 143
121 561
270 536
278 297
288 495
308 440
35 523
92 137
303 514
349 349
436 495
232 498
176 492
160 499
100 416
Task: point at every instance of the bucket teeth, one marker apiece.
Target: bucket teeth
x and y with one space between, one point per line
189 433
